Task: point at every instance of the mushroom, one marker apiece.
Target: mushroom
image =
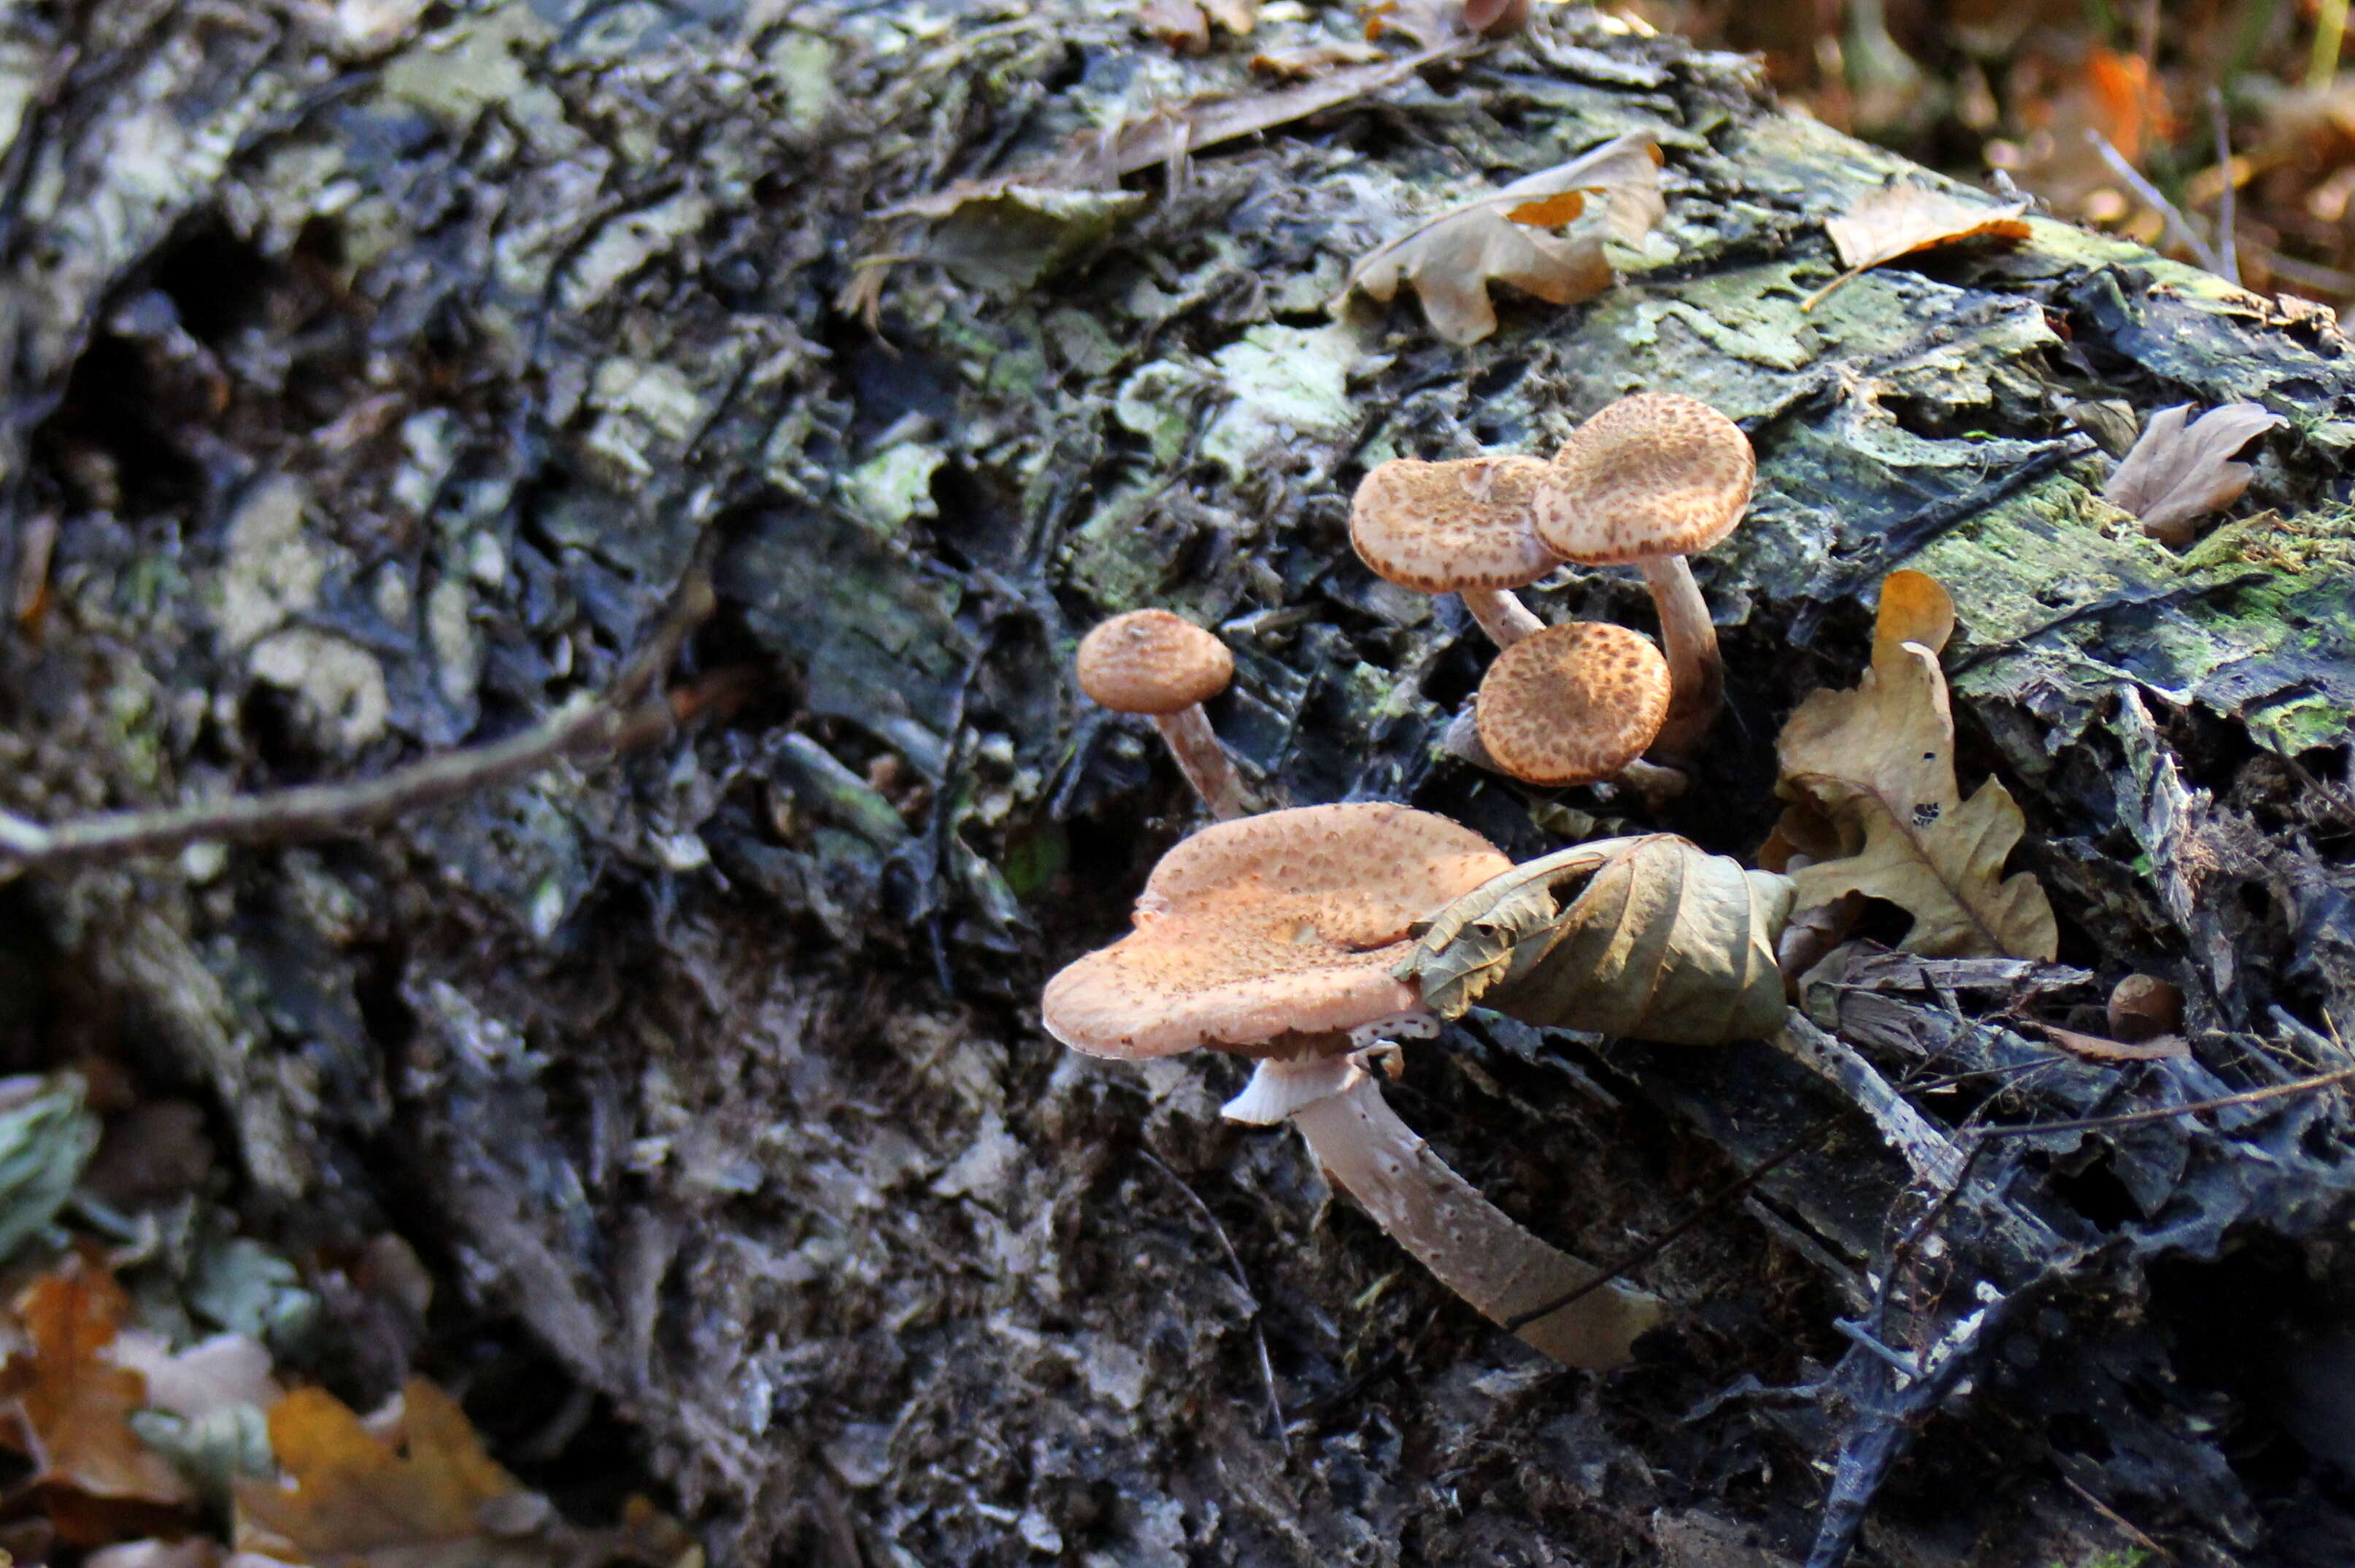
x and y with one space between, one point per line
1575 704
1647 482
1152 663
1275 937
1462 527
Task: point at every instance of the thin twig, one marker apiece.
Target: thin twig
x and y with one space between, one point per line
1259 1337
2228 216
2179 226
628 713
2160 1114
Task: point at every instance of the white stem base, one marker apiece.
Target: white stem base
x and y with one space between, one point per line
1472 1246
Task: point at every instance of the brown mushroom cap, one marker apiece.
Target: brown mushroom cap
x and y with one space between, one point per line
1572 703
1656 474
1254 937
1149 661
1444 527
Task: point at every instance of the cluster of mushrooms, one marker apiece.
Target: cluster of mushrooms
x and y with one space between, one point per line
1285 937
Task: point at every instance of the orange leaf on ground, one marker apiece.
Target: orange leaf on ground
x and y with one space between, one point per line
70 1408
1899 219
413 1487
356 1492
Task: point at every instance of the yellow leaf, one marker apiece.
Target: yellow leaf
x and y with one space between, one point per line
1452 257
1877 765
420 1492
355 1492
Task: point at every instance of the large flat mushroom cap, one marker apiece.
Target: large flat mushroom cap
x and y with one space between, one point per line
1440 527
1656 474
1574 703
1150 661
1255 933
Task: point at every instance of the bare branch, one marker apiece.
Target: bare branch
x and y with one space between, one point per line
623 717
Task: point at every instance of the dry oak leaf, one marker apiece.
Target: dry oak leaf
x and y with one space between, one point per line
413 1487
1899 219
2181 469
1610 192
1876 766
1665 942
69 1407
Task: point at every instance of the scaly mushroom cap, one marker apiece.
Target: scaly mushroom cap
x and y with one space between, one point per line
1444 527
1254 933
1657 474
1572 703
1149 661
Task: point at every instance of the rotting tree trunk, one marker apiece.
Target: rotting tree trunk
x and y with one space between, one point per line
370 388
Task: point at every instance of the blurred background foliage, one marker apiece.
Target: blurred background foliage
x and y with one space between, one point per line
2222 132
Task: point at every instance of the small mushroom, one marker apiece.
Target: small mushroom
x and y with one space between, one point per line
1647 482
1462 528
1152 663
2144 1007
1575 704
1275 937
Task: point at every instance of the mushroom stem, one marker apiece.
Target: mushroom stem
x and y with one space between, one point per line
1461 740
1501 614
1656 783
1696 670
1473 1247
1203 761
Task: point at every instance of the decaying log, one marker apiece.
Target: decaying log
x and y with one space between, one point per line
374 371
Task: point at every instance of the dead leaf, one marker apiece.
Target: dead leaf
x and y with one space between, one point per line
412 1486
1663 942
2165 1047
2180 472
1181 24
71 1409
195 1551
212 1374
1613 190
354 1492
1237 17
1430 23
1902 218
1876 765
1299 64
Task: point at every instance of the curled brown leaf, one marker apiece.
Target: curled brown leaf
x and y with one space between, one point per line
1664 942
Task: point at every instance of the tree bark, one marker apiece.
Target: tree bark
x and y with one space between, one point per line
378 371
